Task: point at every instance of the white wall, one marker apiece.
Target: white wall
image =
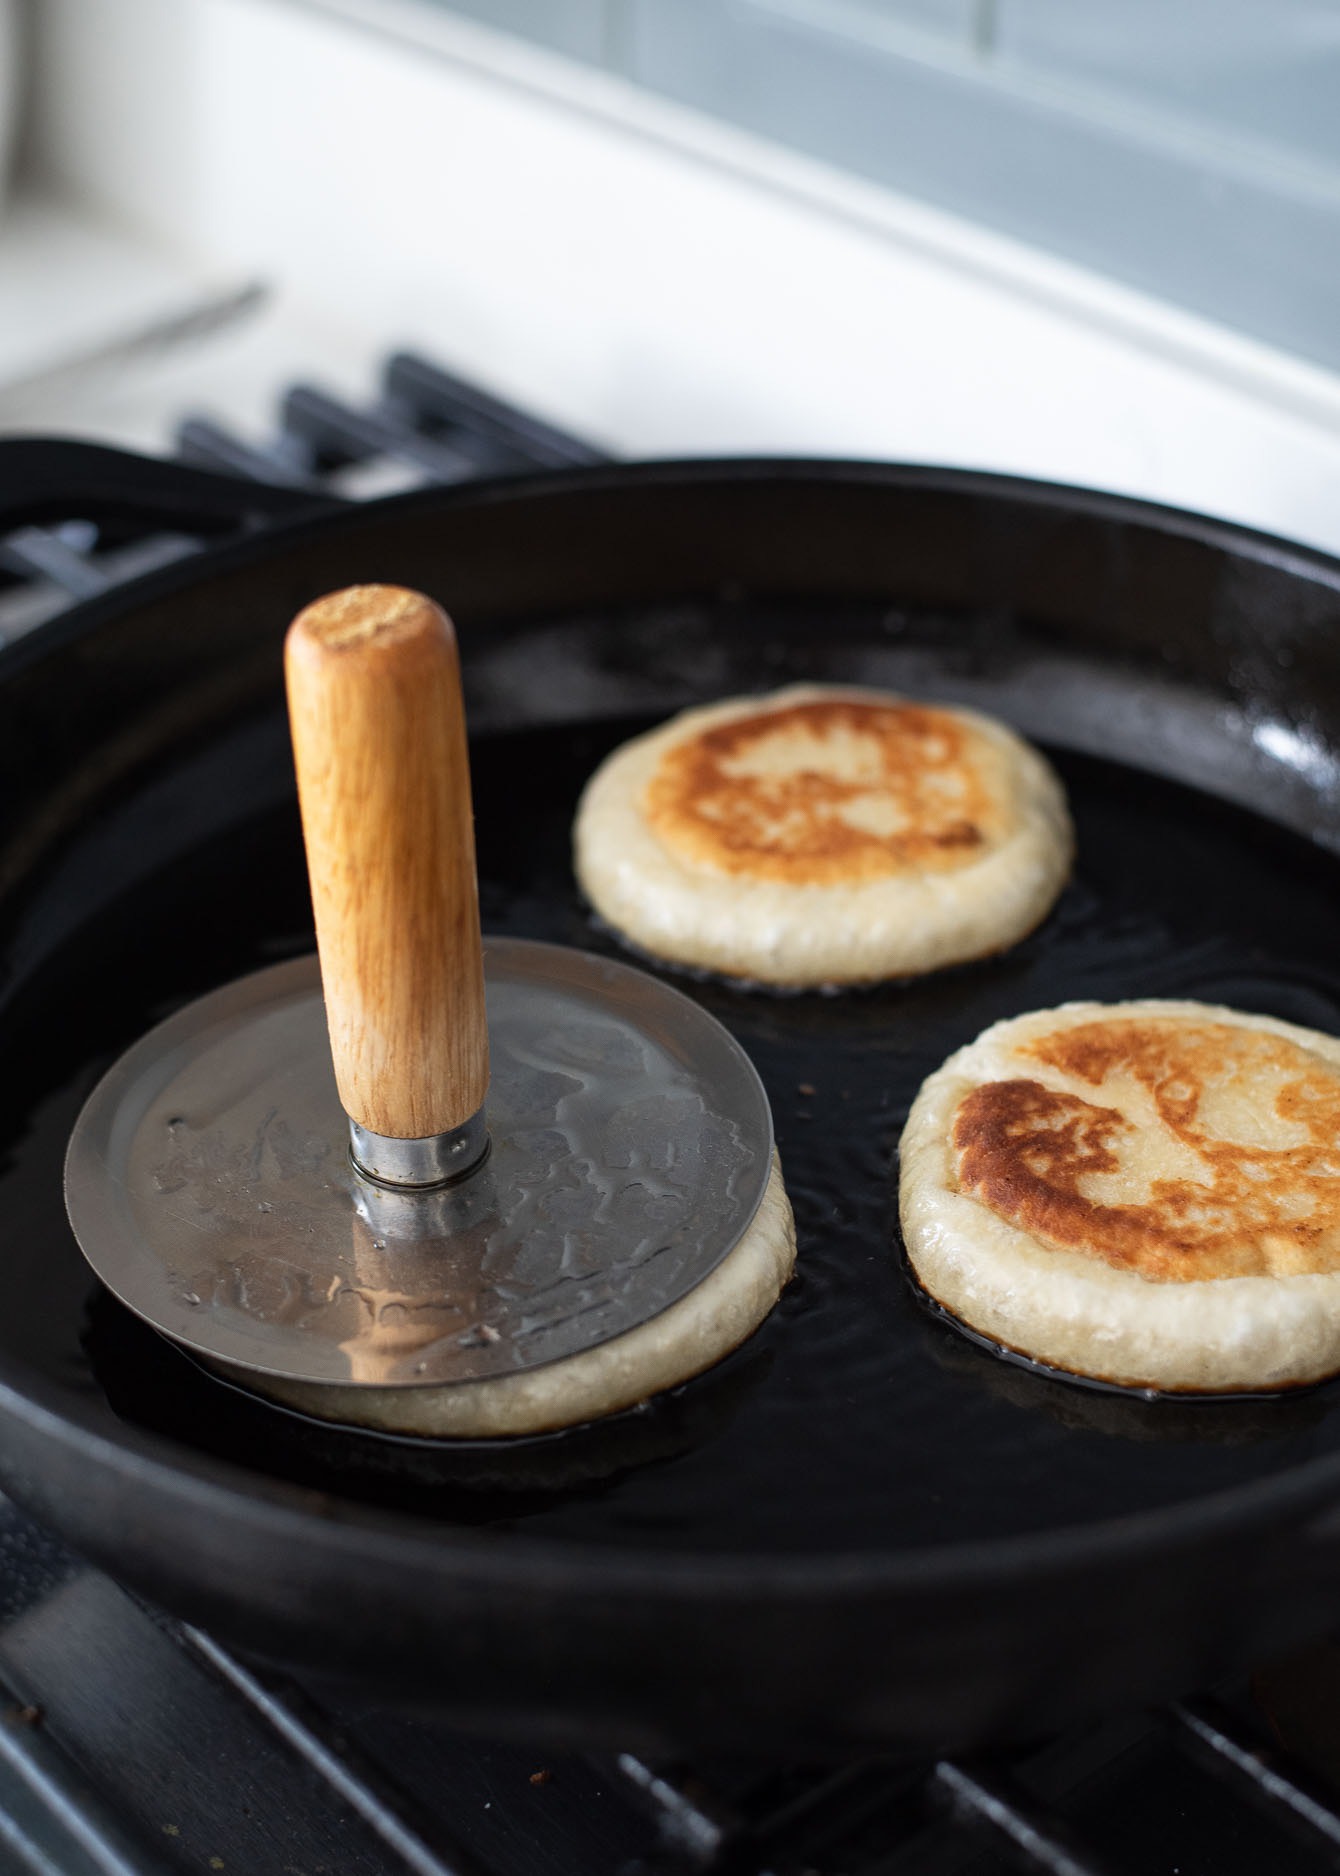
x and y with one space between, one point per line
640 273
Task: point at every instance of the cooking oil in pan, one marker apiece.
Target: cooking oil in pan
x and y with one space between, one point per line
853 1419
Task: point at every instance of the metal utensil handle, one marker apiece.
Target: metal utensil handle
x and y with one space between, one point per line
379 743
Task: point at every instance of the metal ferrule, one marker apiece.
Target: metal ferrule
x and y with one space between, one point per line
436 1160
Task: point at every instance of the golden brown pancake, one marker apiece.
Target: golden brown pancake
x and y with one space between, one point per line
823 835
832 791
1145 1192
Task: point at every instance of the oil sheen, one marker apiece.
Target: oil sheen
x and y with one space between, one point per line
855 1419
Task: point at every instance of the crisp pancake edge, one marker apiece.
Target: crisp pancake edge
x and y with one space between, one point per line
1075 1312
804 936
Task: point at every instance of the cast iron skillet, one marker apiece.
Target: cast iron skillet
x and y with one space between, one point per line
862 1530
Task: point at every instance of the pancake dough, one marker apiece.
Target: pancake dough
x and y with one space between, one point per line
698 1330
1147 1193
823 835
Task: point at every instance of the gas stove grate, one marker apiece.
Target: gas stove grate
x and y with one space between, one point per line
422 426
135 1744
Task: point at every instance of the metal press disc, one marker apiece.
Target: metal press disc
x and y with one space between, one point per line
209 1182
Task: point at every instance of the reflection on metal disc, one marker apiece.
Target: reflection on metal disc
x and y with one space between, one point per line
209 1182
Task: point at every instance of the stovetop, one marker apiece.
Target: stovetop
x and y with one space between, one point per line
133 1743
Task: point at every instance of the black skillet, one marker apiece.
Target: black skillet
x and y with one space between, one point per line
862 1530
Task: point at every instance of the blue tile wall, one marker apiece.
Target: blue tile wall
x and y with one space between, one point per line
952 20
1265 70
1190 148
581 28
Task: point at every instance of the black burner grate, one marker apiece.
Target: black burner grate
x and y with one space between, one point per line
133 1745
423 426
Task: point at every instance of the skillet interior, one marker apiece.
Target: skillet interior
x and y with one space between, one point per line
156 854
852 1420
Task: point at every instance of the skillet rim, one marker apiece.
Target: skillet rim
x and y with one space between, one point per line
520 1560
573 1565
231 556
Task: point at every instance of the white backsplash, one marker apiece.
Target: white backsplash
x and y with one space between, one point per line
650 278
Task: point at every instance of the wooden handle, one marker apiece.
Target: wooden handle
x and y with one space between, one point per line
374 692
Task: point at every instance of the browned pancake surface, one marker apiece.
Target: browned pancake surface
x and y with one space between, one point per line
835 791
1204 1150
